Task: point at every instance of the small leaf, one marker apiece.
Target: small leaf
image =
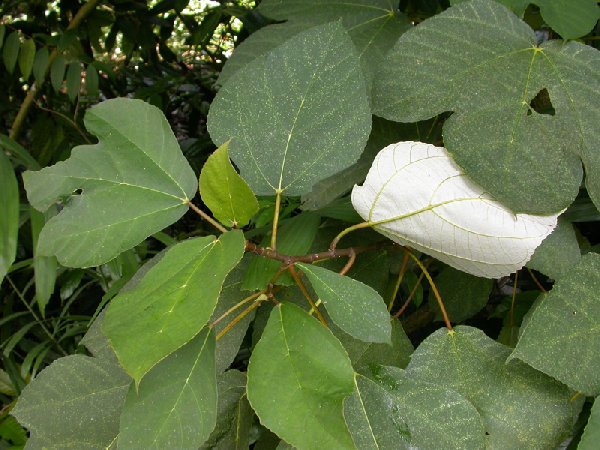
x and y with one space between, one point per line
9 214
416 195
314 374
354 307
10 53
91 81
181 393
316 117
562 336
520 407
73 80
40 65
558 252
591 435
464 295
224 192
26 56
172 303
44 267
135 182
57 72
570 19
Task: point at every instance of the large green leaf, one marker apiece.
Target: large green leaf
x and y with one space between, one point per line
134 182
482 62
304 405
591 435
175 405
311 93
75 402
172 302
416 414
558 252
373 25
562 337
224 192
354 307
9 214
520 407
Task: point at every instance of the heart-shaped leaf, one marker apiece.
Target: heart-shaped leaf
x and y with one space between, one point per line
134 182
417 196
295 115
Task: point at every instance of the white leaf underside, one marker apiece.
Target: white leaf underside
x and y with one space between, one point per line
416 195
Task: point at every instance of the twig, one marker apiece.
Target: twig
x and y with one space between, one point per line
236 306
307 295
536 281
237 318
399 280
67 119
410 296
350 262
276 220
206 217
344 232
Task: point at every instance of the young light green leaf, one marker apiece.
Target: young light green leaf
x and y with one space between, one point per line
464 295
172 303
316 117
416 195
314 374
135 182
44 267
224 192
57 72
73 403
73 80
562 336
558 252
175 405
40 65
26 56
482 62
418 412
591 435
91 80
9 214
354 307
10 52
520 407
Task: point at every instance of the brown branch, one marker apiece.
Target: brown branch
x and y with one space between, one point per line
350 262
307 295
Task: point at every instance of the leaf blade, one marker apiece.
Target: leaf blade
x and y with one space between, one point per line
9 214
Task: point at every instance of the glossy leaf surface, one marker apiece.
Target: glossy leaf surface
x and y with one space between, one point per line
354 307
224 192
416 195
562 336
173 301
314 375
134 182
316 117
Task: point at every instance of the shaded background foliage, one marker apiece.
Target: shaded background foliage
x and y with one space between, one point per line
170 53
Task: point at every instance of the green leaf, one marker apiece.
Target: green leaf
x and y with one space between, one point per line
570 19
175 405
135 182
591 435
73 80
228 345
9 214
562 336
558 252
12 432
18 152
57 72
2 33
73 403
312 95
354 307
224 192
91 81
26 56
44 267
10 53
40 65
482 62
416 414
234 415
314 374
520 407
464 295
172 303
364 354
294 238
